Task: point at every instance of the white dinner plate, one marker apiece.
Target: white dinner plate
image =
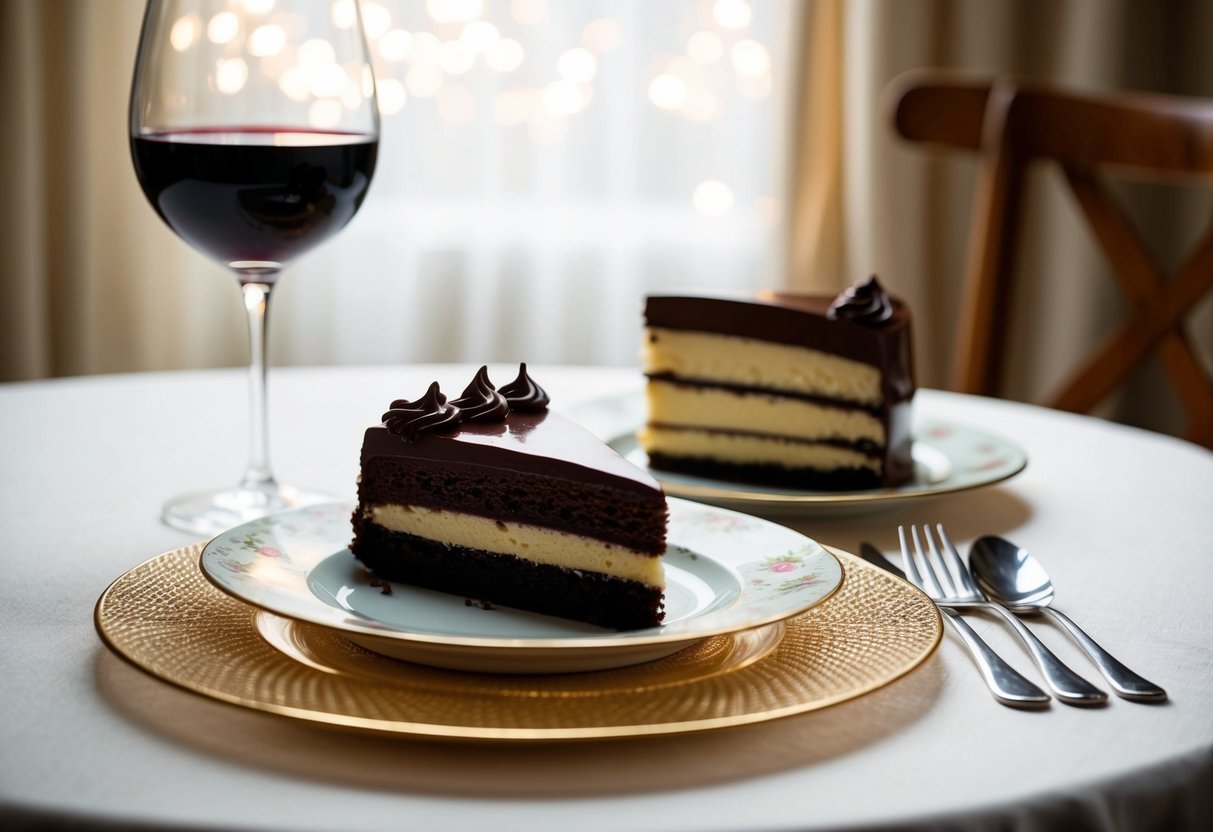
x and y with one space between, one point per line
948 457
725 572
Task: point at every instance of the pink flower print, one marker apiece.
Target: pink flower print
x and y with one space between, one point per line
783 566
990 465
269 552
235 566
794 584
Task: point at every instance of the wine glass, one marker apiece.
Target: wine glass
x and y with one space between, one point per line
254 132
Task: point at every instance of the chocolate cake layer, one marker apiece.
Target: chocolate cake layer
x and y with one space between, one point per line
506 580
863 446
629 519
743 389
780 317
812 479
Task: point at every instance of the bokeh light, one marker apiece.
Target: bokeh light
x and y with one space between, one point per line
750 58
713 198
392 96
577 65
376 19
185 32
669 92
564 98
506 55
230 75
480 36
394 45
223 28
344 13
325 113
732 14
266 40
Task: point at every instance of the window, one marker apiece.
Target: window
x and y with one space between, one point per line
543 166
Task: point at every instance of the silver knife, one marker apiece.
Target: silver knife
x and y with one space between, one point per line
1006 683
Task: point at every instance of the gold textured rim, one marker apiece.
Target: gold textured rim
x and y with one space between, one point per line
166 619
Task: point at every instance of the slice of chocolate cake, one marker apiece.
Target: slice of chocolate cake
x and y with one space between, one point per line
495 498
801 391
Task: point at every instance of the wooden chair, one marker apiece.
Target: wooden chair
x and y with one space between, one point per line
1089 137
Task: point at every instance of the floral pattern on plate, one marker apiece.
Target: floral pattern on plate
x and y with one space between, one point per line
725 572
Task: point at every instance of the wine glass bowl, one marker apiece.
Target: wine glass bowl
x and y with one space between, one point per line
254 133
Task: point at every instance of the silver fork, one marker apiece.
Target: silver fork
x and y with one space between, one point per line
945 578
1005 682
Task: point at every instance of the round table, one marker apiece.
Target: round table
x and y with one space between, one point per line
1122 519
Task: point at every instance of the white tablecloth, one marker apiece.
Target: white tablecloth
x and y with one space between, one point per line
1122 519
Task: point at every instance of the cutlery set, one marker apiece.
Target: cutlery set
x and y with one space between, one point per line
1007 581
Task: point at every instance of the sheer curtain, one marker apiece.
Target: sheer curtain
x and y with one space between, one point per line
544 164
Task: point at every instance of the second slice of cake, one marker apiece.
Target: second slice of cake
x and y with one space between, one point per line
802 391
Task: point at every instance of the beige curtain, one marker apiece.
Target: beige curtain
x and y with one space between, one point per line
91 282
865 202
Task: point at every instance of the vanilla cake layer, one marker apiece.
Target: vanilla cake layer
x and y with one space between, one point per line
535 544
750 362
676 404
749 450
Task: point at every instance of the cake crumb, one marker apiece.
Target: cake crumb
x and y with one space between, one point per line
467 602
485 605
385 588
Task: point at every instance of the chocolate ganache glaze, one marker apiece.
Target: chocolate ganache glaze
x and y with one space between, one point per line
431 412
864 303
537 442
481 401
524 394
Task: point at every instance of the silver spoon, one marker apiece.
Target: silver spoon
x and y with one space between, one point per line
1011 576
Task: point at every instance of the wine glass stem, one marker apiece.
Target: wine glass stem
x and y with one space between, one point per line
257 475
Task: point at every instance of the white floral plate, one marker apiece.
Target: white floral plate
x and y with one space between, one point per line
948 458
725 572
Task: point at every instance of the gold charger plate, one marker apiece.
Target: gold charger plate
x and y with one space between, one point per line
167 619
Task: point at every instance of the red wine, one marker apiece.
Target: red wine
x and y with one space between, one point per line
259 195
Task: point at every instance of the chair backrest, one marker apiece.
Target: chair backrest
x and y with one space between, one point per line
1089 137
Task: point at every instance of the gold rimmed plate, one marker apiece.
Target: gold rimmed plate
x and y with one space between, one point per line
725 572
949 457
167 619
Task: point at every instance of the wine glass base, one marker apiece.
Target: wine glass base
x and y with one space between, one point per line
209 513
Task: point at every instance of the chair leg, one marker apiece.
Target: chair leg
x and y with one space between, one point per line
978 361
